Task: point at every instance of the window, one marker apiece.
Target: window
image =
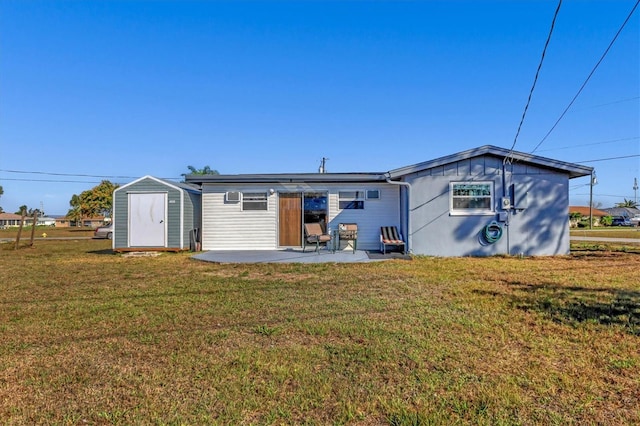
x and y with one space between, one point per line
351 200
254 201
471 197
373 194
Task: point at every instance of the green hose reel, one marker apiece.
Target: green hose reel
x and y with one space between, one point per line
492 232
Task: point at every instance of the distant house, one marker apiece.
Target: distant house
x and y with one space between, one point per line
46 221
628 212
91 222
10 220
584 212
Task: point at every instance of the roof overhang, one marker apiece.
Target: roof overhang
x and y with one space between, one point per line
572 169
287 178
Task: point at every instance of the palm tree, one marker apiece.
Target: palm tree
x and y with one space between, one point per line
204 171
628 203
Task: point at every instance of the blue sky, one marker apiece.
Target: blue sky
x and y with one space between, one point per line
125 89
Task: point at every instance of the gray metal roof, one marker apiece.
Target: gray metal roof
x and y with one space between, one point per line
574 170
180 185
287 178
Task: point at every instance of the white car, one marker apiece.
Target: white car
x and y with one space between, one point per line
635 220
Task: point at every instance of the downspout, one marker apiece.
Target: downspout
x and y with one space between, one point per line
408 186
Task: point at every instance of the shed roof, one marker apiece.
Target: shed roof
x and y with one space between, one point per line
574 170
178 185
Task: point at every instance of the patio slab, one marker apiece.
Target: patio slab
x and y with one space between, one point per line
287 256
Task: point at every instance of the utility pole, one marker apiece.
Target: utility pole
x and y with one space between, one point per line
635 190
322 168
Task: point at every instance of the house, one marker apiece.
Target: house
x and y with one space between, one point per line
11 220
89 222
155 214
480 202
628 212
46 221
585 212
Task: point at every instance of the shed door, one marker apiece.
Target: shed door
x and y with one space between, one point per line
290 219
147 220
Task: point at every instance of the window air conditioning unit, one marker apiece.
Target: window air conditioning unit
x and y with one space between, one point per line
232 196
506 203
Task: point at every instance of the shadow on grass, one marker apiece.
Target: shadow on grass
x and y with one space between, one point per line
573 304
105 251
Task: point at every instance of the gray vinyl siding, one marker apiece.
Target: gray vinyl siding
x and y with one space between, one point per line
540 229
181 204
227 227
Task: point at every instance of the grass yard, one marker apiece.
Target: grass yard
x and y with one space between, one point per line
608 232
89 337
50 231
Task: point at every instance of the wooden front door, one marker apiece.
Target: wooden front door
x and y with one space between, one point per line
290 219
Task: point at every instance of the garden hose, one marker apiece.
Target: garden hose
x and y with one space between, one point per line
492 232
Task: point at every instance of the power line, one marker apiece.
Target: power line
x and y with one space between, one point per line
589 144
608 159
48 180
535 79
67 174
619 101
588 77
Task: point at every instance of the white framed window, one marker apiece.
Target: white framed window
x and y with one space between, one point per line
351 200
254 201
471 198
373 194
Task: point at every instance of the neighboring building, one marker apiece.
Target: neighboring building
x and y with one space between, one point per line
90 222
46 221
11 220
628 212
153 213
480 202
584 212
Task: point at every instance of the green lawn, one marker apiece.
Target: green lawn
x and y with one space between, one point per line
89 337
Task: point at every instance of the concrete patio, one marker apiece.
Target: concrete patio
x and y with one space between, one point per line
296 256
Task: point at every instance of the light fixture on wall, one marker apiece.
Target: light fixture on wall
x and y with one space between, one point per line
272 191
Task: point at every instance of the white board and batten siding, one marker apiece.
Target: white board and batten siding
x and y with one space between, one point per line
225 226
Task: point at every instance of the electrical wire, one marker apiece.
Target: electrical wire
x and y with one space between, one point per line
588 77
608 159
535 80
590 144
67 174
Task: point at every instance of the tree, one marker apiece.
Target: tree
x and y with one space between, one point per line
628 203
1 192
204 171
93 202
